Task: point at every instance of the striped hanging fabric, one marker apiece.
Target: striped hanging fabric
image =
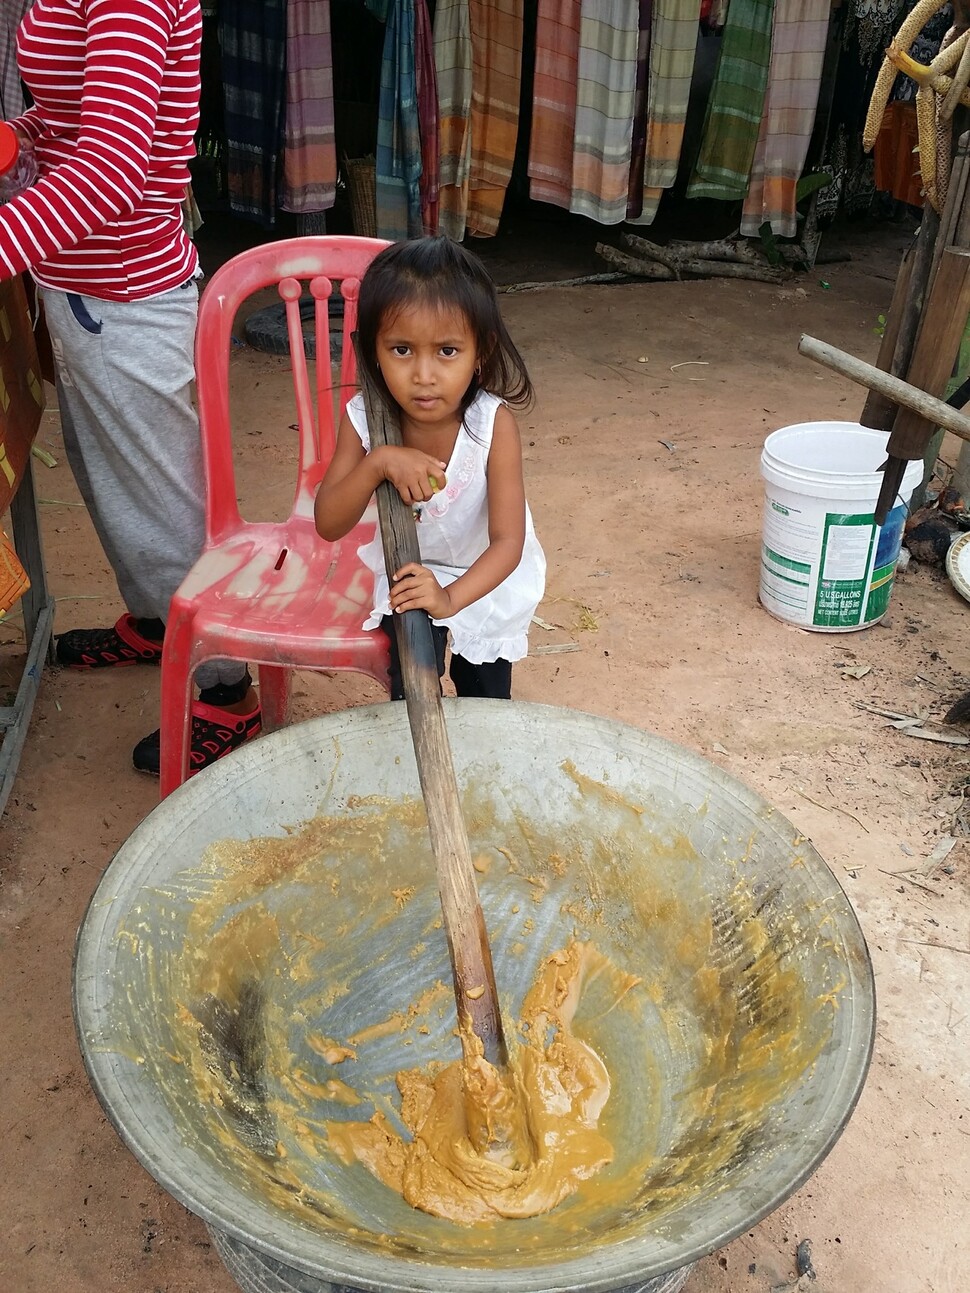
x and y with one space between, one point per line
496 27
673 43
634 201
398 195
427 91
252 38
453 65
609 33
309 149
735 108
797 53
554 102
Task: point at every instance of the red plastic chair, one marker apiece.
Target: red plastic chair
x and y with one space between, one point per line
274 594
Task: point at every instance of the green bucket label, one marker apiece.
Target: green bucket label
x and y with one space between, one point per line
846 556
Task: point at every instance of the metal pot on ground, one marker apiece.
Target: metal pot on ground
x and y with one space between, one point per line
733 1074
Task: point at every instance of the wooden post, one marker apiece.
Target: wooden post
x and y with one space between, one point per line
953 232
961 473
941 332
879 410
908 304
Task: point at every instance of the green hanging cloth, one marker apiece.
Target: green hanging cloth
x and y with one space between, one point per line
737 102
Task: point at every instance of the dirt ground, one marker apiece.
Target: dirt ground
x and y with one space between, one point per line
661 543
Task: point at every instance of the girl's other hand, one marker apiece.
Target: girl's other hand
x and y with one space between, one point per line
415 475
414 588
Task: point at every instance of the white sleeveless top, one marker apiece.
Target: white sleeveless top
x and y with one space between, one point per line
453 534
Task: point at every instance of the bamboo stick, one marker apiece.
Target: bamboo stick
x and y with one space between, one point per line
894 388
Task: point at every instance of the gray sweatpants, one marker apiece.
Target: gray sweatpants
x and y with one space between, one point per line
131 435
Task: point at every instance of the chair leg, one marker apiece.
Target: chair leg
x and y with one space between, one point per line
176 706
274 695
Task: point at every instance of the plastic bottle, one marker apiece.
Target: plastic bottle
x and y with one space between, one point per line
18 165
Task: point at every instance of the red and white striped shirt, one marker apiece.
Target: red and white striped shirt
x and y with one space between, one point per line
116 104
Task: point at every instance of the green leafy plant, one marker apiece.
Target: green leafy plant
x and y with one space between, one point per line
809 184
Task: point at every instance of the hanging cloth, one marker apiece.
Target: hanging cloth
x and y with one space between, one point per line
609 31
453 66
398 197
634 200
896 155
11 91
797 53
496 27
673 44
309 150
252 37
866 27
554 102
737 102
427 91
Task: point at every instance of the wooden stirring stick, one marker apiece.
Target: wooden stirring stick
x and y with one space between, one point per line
468 947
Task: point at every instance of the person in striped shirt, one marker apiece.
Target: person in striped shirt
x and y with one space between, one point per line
116 89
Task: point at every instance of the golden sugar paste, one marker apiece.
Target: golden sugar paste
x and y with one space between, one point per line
548 1107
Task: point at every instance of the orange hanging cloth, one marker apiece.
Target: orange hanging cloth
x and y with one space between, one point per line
496 29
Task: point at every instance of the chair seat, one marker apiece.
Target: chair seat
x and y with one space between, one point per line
279 594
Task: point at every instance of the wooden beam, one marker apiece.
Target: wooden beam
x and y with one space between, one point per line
900 392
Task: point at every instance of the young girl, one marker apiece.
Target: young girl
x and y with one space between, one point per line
432 338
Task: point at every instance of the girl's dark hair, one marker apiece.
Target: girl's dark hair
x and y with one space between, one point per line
440 273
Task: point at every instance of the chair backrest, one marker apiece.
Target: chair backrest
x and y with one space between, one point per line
321 262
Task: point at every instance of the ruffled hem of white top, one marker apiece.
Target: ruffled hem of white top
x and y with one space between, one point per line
452 535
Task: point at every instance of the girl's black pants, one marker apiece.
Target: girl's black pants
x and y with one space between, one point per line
492 680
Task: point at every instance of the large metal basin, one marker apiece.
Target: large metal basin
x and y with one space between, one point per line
735 1064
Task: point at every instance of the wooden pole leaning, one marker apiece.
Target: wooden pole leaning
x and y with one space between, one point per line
893 388
476 996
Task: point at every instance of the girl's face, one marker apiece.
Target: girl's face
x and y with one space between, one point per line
427 357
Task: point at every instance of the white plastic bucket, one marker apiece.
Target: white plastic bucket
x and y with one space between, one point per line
825 564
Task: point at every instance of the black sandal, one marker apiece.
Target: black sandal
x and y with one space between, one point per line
215 733
112 648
